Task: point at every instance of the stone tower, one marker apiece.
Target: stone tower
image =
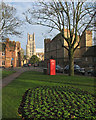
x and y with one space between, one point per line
30 47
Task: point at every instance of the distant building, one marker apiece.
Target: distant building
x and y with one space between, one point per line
10 54
53 48
30 47
90 56
40 53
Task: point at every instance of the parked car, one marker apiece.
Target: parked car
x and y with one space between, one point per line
25 65
91 72
36 65
59 69
77 69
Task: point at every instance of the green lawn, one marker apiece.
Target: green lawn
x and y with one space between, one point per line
12 94
7 72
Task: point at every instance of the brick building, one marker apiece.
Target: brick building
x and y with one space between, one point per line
10 54
53 48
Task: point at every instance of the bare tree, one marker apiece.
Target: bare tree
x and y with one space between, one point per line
58 14
94 40
8 21
22 54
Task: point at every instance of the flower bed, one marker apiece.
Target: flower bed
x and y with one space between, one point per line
57 102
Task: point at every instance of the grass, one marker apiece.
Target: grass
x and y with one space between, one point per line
6 73
12 94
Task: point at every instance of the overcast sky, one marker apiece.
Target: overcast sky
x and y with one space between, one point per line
41 32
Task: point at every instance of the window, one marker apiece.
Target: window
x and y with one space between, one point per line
3 62
3 53
11 62
86 59
94 59
29 37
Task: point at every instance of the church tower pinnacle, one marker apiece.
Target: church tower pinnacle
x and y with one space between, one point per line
30 47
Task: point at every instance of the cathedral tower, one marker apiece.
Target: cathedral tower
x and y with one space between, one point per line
30 47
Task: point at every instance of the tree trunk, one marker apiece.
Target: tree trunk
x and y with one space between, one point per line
71 62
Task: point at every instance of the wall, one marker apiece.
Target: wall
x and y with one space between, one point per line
12 54
53 48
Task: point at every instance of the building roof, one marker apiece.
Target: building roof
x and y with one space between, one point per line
58 36
90 52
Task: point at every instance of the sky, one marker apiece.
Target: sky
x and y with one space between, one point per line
41 32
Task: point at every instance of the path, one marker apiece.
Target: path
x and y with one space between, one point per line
19 71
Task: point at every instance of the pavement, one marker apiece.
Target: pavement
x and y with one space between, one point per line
5 81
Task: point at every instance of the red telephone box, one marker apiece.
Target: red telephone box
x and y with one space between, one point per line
51 67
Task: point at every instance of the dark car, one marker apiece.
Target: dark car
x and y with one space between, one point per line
59 69
92 72
77 69
36 65
25 65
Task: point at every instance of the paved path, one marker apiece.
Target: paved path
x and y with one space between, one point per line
5 81
19 71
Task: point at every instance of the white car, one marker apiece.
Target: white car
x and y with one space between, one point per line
59 69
